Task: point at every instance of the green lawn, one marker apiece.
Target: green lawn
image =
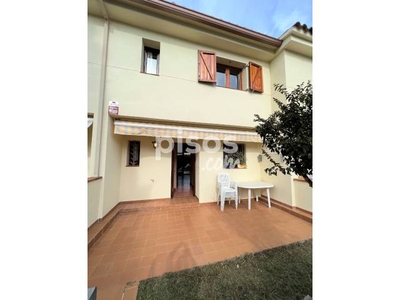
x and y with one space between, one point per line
279 273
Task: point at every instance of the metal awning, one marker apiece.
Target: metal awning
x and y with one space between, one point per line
173 131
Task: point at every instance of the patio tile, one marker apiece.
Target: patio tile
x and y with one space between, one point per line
162 257
173 237
229 243
219 245
131 293
101 270
195 250
128 275
147 260
110 293
158 269
108 258
162 248
90 271
117 267
194 242
94 260
111 280
150 250
99 251
132 264
163 241
208 248
96 281
151 242
121 256
144 272
200 259
137 252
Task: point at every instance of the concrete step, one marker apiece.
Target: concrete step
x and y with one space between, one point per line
302 214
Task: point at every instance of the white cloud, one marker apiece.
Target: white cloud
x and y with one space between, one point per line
282 21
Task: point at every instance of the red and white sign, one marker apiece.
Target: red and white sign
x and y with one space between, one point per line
113 108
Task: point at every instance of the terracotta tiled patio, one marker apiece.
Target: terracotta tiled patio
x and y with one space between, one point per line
152 239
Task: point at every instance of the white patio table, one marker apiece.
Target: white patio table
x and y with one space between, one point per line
255 185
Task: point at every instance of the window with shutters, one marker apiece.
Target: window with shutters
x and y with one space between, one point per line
229 77
255 78
151 57
133 154
207 66
228 73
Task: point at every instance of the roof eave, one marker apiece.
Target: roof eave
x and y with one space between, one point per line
205 19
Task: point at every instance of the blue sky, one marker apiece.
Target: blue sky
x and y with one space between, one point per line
271 17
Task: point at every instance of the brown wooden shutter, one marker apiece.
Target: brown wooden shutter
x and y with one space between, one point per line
207 66
255 77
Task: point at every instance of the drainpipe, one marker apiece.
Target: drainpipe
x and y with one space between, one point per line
102 87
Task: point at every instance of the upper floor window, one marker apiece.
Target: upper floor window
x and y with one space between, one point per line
227 73
151 57
229 77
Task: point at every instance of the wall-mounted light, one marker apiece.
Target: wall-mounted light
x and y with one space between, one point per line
154 144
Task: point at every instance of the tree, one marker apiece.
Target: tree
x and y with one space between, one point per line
288 132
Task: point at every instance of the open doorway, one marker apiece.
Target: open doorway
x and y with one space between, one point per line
183 171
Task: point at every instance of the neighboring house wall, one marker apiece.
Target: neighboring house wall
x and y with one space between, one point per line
289 69
94 189
95 50
302 195
176 93
278 76
110 166
151 179
298 69
282 183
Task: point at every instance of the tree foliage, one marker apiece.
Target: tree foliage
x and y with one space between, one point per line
288 132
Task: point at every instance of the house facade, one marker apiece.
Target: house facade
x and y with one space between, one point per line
169 89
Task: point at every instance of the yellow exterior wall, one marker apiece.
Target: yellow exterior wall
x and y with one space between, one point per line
303 195
197 177
282 183
289 69
210 164
278 76
151 180
94 189
176 94
298 69
89 150
110 166
95 50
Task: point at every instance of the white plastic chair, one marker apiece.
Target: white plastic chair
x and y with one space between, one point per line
226 189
